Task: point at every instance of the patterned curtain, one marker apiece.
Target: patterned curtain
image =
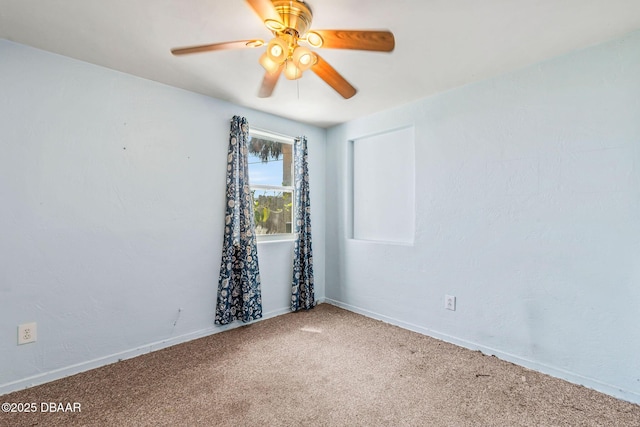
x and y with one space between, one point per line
239 295
302 287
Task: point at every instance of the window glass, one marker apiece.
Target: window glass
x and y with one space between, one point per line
270 163
271 179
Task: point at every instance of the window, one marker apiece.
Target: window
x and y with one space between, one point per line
271 178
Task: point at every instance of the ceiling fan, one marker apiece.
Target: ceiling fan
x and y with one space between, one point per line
290 23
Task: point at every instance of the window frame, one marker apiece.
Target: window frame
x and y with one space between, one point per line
284 139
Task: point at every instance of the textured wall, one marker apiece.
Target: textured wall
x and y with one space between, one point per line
527 210
112 212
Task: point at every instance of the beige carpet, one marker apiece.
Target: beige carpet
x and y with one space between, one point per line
324 367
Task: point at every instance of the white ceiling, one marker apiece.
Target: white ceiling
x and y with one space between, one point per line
440 44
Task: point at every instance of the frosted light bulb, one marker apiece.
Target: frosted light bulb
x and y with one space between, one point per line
291 71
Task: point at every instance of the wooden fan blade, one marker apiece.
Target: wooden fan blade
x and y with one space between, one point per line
265 10
240 44
269 82
380 41
327 73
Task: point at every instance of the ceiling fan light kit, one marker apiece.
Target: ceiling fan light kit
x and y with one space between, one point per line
278 50
303 58
290 21
268 64
291 71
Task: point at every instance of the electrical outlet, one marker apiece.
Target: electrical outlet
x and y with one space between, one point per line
450 302
27 332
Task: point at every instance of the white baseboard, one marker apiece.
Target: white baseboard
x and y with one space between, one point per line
617 392
66 371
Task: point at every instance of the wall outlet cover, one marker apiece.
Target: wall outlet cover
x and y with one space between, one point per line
27 333
450 302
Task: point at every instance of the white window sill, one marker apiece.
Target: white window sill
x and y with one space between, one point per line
278 238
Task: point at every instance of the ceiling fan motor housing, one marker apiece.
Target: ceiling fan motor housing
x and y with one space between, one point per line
296 15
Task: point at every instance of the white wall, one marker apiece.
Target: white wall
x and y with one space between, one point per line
527 210
112 213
